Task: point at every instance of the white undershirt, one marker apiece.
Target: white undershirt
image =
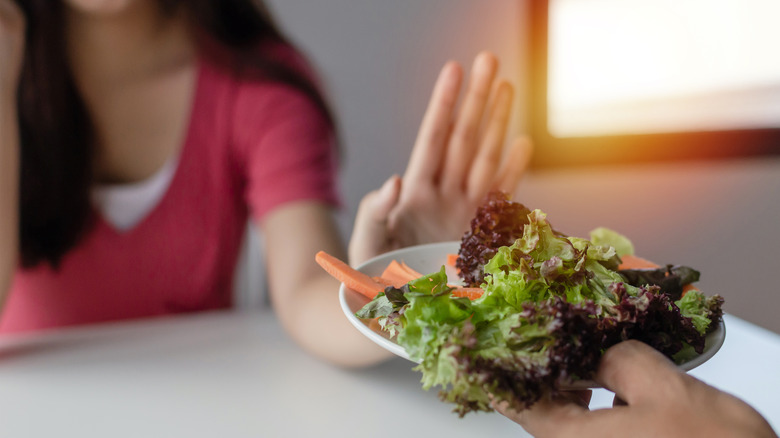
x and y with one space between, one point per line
126 205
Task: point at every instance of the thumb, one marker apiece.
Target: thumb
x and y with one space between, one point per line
384 199
371 235
634 370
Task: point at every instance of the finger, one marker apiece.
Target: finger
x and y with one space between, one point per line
488 158
463 143
560 417
514 165
385 199
636 372
429 148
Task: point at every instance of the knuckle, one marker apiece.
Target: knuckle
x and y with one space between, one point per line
480 90
492 156
464 134
452 188
626 349
368 200
439 134
447 101
678 383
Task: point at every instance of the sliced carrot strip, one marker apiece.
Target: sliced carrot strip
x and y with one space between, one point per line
634 262
383 282
471 293
396 275
452 259
687 288
351 277
399 274
412 273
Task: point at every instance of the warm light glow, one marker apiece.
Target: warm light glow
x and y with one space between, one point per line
640 66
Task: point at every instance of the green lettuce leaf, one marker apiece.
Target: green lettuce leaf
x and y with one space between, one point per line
605 237
695 305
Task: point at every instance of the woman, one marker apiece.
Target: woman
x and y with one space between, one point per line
137 136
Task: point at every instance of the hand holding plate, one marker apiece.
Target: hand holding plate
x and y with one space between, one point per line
659 400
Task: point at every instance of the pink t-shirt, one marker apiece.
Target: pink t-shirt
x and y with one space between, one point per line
250 147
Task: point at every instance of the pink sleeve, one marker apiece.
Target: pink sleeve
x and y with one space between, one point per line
285 147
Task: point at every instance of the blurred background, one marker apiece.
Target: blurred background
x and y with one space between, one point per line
378 61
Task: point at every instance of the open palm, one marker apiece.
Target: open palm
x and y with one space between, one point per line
459 156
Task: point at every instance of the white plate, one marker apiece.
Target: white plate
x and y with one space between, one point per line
430 258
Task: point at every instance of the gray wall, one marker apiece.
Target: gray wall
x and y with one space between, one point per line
378 60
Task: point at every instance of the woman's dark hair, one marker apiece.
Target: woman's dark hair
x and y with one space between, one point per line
57 137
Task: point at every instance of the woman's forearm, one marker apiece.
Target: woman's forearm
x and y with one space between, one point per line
304 296
319 325
9 194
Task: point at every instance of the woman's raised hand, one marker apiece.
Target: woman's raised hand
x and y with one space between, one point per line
459 156
11 45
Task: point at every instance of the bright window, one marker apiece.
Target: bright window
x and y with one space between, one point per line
655 66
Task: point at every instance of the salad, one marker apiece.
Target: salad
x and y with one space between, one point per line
551 305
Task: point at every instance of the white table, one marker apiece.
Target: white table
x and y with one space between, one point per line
238 375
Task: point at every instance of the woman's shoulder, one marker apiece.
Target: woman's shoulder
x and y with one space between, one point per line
260 96
276 69
281 81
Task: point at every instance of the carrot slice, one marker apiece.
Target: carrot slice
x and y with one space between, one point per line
399 274
452 259
471 293
634 262
411 272
351 277
384 282
396 275
687 288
